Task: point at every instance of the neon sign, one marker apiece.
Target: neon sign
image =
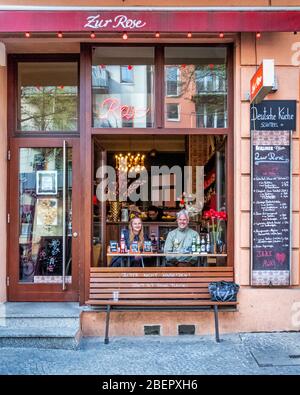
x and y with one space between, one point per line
113 107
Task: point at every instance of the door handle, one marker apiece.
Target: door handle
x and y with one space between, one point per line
75 235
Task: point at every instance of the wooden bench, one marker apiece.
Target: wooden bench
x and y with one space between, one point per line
156 288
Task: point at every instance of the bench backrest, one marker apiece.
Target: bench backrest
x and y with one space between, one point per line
154 283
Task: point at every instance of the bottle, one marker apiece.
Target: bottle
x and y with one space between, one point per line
122 243
207 243
203 244
198 245
194 246
176 244
154 242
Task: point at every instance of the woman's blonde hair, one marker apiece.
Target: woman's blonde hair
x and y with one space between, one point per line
140 235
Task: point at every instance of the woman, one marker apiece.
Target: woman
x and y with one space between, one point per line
135 233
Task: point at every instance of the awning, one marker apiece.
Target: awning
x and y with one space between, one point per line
150 21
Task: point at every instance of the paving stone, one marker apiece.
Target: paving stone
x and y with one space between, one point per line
180 355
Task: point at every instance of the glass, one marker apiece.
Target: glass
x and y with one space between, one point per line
47 96
41 215
123 87
196 82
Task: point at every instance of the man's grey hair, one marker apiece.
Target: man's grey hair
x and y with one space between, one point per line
183 212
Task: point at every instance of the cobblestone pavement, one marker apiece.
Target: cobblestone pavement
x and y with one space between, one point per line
255 354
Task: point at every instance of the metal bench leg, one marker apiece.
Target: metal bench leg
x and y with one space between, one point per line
106 339
216 323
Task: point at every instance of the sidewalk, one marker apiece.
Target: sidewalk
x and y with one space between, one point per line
254 354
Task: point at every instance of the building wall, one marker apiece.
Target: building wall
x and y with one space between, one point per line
260 309
3 164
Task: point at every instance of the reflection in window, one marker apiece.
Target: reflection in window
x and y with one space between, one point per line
172 81
48 94
41 215
172 112
127 74
122 87
196 77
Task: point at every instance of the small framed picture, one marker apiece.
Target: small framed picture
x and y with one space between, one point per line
46 182
113 246
147 246
134 247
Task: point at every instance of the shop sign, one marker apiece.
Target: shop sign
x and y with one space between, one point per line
123 21
262 81
273 115
16 21
271 208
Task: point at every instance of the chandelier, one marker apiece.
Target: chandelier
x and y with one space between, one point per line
130 162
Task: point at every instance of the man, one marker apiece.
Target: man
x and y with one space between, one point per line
154 214
180 240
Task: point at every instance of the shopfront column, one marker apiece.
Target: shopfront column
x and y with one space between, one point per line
3 169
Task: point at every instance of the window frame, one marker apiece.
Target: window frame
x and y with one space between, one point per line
121 79
177 81
159 92
13 94
178 112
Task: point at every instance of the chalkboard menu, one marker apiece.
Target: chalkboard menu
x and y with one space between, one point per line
271 207
273 115
49 260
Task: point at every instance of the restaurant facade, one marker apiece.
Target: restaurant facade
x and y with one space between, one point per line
88 91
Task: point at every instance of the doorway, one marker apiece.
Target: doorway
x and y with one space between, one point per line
43 235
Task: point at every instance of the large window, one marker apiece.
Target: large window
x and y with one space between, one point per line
187 85
123 87
47 96
153 179
197 77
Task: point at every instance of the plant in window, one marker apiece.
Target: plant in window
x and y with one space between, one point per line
216 225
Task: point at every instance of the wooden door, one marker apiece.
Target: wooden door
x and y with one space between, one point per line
43 229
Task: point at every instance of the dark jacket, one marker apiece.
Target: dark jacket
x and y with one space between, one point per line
134 261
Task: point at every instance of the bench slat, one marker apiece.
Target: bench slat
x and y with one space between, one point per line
158 303
147 290
160 280
160 275
152 296
201 269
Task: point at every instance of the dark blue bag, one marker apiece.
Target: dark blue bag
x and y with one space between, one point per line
223 291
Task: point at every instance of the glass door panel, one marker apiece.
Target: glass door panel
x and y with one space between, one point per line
41 189
44 225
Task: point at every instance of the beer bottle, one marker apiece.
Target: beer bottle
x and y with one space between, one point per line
194 247
122 243
203 246
198 245
207 243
